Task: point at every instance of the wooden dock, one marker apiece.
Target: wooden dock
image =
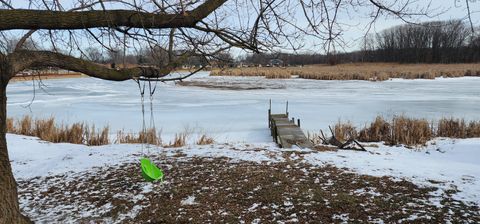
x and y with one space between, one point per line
285 132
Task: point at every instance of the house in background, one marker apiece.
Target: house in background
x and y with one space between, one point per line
275 63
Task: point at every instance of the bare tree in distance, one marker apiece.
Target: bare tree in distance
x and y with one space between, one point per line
184 29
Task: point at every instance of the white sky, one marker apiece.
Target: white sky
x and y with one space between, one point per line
452 9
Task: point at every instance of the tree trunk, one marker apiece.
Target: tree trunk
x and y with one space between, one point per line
9 208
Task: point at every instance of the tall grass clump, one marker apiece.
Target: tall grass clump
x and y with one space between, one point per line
344 131
10 125
48 130
410 131
406 131
180 140
205 140
94 137
401 130
149 136
458 128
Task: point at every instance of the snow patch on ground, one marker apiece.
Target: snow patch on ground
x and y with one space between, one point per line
444 163
190 200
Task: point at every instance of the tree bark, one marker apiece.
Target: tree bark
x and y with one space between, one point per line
9 207
59 20
26 59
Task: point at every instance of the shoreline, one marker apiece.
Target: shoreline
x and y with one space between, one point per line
47 76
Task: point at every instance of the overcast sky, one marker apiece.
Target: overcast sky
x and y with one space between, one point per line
451 9
357 22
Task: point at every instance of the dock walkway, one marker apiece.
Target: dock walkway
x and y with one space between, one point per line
285 132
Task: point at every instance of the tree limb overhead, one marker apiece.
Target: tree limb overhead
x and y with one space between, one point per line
24 59
59 20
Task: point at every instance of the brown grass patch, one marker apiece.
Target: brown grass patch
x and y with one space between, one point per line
82 133
269 73
45 76
410 131
149 136
180 140
404 130
401 130
359 71
344 131
10 125
458 128
48 130
205 140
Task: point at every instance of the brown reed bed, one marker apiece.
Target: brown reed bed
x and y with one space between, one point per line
205 140
269 73
148 136
344 131
405 130
359 71
45 76
48 130
180 140
82 133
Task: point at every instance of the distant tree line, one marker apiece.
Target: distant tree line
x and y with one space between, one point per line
431 42
145 56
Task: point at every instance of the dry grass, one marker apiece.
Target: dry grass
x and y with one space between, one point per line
359 71
180 140
205 140
404 130
401 130
149 136
45 76
344 131
48 130
458 128
269 73
411 131
10 124
81 133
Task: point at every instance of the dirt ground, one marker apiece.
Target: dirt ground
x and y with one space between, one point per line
203 190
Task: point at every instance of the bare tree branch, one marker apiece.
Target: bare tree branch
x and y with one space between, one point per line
59 20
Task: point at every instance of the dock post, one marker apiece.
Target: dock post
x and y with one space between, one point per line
269 119
286 109
269 115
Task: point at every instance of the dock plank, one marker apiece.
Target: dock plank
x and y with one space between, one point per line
286 133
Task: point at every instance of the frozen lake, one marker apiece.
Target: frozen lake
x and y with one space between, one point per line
241 115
